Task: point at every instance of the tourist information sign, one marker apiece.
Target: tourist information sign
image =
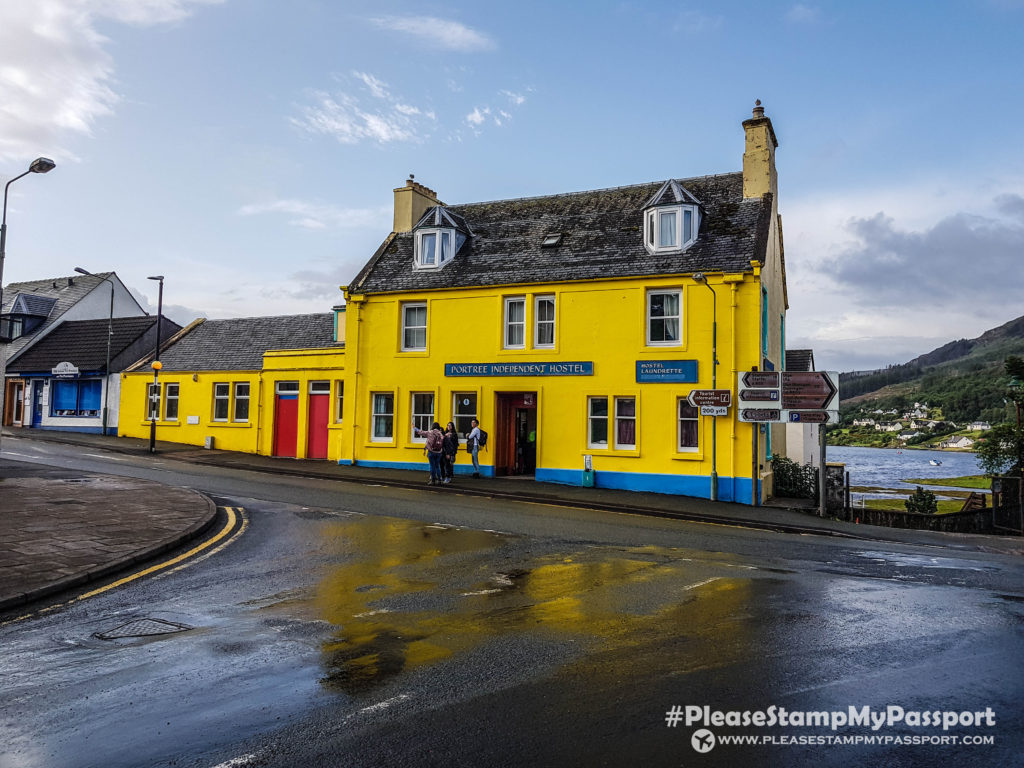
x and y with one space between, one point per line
804 397
717 397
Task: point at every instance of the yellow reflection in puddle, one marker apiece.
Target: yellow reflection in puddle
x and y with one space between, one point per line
412 595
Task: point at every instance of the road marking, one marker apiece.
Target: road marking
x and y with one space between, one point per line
234 515
701 583
105 458
235 762
385 704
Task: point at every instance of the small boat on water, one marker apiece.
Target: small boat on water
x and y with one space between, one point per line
935 462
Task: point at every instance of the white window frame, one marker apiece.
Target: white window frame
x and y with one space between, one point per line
677 342
406 328
319 387
429 416
537 322
219 398
520 324
591 419
618 418
465 417
441 255
168 397
375 414
680 402
152 401
238 398
652 227
339 400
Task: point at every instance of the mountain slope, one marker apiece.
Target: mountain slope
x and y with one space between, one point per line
965 378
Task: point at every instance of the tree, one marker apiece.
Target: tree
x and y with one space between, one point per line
922 501
1001 451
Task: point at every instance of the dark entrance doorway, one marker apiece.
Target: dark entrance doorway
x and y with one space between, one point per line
515 434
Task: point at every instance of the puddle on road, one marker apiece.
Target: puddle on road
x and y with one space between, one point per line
408 594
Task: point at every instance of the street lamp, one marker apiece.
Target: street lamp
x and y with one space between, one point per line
156 365
39 165
700 278
110 333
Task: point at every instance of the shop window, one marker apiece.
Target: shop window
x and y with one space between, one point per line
597 422
422 413
383 416
465 411
170 402
625 422
241 409
76 397
688 426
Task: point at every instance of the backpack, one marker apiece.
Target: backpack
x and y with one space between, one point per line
483 438
434 441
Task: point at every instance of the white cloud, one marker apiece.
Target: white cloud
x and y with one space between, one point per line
693 22
438 33
803 14
56 75
517 99
377 87
319 216
478 116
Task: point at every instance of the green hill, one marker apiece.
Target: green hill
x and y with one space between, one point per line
964 378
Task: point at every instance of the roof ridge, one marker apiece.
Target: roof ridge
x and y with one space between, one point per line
267 317
602 189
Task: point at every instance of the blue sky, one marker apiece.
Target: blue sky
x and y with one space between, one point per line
247 149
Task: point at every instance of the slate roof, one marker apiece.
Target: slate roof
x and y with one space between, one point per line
239 344
799 359
65 291
32 304
82 342
603 237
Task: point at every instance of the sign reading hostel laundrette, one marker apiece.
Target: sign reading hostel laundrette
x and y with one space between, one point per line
684 371
519 369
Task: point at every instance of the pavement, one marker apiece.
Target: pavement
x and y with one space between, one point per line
62 528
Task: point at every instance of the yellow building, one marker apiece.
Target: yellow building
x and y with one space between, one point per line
574 327
267 385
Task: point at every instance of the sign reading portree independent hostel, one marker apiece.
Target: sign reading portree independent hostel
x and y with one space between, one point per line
519 369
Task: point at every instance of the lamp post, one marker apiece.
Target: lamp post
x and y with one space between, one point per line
156 366
110 333
700 278
39 165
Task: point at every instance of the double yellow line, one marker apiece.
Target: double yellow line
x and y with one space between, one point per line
236 524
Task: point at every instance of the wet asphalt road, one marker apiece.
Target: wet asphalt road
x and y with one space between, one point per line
363 626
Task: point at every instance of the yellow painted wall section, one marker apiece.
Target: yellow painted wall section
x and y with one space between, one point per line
596 321
196 403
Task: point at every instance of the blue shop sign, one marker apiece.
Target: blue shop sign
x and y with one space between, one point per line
519 369
683 371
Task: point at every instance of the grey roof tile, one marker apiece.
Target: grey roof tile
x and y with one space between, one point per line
83 343
239 344
602 238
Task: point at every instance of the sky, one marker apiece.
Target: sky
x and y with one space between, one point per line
248 149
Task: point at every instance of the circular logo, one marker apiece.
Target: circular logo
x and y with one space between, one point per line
703 741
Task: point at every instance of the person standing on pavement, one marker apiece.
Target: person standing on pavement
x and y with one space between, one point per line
449 449
434 448
473 446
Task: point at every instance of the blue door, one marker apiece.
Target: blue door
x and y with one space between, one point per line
37 403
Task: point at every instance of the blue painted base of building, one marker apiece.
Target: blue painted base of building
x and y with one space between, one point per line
465 468
735 489
83 430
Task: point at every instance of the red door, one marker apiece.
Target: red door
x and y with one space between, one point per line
319 415
286 425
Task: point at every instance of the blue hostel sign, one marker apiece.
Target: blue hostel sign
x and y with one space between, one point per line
682 371
519 369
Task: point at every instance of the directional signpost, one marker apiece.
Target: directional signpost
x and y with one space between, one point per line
712 402
804 397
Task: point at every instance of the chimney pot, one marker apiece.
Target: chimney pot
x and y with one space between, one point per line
758 109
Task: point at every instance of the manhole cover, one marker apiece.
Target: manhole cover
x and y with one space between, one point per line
143 628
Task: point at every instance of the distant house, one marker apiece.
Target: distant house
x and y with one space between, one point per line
979 426
888 426
863 422
923 424
960 441
904 436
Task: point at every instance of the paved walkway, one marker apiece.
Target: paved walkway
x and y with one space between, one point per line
59 528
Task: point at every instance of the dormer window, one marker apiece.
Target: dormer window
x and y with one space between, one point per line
434 247
670 228
671 218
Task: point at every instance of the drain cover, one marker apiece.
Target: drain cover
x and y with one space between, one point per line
143 628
